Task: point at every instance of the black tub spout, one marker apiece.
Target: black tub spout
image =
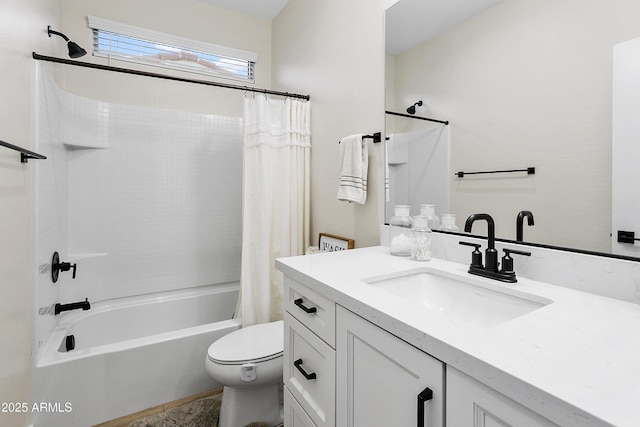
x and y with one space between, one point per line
85 305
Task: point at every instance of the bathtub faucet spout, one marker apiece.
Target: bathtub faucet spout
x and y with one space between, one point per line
85 305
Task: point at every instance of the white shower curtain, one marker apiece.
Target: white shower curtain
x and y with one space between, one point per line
277 144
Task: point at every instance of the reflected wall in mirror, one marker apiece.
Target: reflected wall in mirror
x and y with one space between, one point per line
524 83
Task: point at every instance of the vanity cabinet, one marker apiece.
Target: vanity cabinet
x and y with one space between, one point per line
341 370
473 404
380 378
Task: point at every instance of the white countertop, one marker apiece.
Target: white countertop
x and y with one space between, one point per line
575 361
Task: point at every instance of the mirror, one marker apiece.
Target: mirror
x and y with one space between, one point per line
523 83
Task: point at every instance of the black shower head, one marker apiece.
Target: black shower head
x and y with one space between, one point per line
75 51
412 109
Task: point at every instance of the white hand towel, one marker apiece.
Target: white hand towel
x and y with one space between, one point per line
354 163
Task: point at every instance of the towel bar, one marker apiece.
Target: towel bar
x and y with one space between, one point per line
25 154
377 137
529 171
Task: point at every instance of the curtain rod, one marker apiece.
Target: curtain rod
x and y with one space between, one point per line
444 122
164 76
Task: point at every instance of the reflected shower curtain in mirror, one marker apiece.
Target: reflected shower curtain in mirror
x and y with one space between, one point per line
277 145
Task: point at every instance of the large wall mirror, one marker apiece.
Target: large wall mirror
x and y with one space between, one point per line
522 83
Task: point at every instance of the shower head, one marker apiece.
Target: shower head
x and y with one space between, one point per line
412 109
75 51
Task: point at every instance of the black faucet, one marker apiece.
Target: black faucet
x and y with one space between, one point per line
59 308
490 269
520 220
491 254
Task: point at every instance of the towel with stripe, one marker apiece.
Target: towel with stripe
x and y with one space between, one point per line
354 163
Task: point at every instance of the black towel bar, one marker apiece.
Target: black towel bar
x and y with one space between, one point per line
25 154
529 171
377 137
393 113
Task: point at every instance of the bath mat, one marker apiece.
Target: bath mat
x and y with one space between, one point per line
200 413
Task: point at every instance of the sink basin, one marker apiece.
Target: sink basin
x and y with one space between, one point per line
465 299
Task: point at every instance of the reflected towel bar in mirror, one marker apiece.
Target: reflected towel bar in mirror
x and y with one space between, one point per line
393 113
529 171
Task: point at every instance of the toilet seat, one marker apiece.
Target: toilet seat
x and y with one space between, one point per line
253 344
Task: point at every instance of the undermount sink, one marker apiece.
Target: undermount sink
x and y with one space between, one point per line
465 299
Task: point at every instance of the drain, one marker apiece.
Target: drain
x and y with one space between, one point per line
70 342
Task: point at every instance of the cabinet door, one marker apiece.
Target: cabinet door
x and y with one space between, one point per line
473 404
379 378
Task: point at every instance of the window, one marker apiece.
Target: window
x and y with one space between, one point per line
124 42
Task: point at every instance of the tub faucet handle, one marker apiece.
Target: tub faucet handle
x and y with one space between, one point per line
57 266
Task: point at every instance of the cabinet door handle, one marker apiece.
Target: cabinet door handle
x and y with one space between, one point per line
423 397
298 365
309 310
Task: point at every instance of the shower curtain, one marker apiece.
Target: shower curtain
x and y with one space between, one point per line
277 144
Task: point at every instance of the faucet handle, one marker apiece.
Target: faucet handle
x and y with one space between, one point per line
507 261
476 255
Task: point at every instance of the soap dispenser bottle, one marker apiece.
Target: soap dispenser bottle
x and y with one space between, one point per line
400 230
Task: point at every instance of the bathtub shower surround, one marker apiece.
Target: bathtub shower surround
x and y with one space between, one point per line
425 180
145 201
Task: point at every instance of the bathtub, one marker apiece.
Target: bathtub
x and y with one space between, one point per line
130 354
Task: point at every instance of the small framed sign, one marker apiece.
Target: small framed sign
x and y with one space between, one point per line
332 243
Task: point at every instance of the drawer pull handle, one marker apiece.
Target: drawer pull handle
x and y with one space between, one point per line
298 365
309 310
423 397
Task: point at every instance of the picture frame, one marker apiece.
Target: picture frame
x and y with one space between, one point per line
331 243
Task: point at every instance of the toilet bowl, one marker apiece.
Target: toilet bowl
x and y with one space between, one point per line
248 363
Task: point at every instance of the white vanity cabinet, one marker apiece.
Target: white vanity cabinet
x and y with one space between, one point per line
341 370
473 404
380 378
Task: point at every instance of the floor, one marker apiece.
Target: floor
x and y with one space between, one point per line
201 410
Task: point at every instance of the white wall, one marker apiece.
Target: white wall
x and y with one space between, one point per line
527 83
334 51
23 28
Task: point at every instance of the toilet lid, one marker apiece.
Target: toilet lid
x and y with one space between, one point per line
251 344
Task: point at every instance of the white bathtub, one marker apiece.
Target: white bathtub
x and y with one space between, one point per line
131 354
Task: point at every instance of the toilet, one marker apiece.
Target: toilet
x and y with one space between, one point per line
248 363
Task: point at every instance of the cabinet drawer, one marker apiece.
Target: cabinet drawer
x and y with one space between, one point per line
309 372
294 415
313 310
